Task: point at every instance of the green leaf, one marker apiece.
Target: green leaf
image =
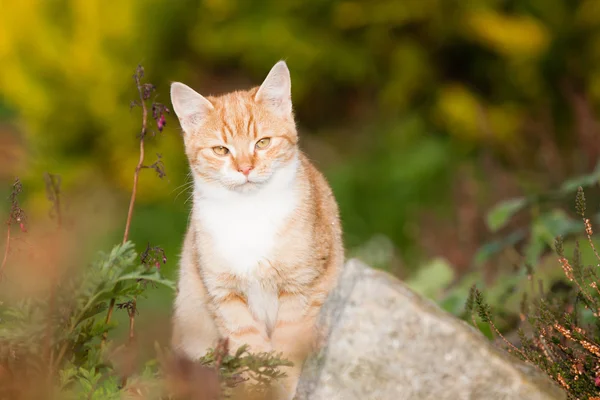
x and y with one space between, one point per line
499 216
431 278
490 249
571 185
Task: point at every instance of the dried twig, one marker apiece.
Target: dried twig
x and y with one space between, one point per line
6 251
477 303
221 351
16 215
144 91
53 194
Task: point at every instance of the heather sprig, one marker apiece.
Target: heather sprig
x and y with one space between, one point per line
554 335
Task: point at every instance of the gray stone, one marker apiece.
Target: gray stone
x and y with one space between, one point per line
383 341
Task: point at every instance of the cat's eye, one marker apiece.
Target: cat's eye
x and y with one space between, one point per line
263 143
221 150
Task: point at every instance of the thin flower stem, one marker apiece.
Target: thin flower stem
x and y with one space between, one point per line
136 178
16 215
588 234
47 348
109 313
132 312
136 174
61 354
505 340
6 251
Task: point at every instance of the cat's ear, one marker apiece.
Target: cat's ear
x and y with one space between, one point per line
276 90
191 107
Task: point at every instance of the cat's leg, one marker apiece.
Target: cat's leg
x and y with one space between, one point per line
235 321
194 329
295 334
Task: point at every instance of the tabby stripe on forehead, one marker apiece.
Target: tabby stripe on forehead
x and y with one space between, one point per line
250 124
228 127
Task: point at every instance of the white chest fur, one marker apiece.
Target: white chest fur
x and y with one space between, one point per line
244 226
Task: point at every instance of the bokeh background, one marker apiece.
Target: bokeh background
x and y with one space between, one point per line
453 132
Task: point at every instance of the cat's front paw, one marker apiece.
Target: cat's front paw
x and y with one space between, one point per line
252 346
282 392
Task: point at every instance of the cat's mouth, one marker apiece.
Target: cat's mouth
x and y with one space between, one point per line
243 183
248 186
256 179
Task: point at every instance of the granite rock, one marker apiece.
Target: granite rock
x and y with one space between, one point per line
383 341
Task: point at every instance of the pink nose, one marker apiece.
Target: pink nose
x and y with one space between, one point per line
246 169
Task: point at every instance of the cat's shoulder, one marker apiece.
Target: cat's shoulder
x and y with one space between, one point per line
314 175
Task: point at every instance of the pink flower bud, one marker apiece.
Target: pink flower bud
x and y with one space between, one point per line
161 122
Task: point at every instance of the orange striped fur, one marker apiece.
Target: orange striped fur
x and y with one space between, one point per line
264 244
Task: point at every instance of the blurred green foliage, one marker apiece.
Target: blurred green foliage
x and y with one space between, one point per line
391 96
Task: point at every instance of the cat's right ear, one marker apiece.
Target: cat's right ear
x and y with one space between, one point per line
191 107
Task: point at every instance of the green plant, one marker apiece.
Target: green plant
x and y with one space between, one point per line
560 329
40 338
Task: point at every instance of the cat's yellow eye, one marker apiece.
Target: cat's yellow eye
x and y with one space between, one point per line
263 143
221 150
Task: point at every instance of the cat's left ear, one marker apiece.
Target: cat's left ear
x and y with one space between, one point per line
190 107
276 91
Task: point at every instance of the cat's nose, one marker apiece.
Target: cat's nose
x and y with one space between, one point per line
245 169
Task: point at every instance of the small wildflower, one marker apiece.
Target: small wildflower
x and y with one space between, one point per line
580 201
588 227
564 331
562 382
483 309
158 113
53 194
161 122
592 348
152 256
566 267
129 306
558 246
147 89
16 212
577 368
579 330
158 166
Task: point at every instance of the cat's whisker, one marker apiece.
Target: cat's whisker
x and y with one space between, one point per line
186 180
184 188
185 184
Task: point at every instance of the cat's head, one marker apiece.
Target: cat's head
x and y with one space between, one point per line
241 139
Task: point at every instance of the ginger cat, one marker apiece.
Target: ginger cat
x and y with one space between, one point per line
264 244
